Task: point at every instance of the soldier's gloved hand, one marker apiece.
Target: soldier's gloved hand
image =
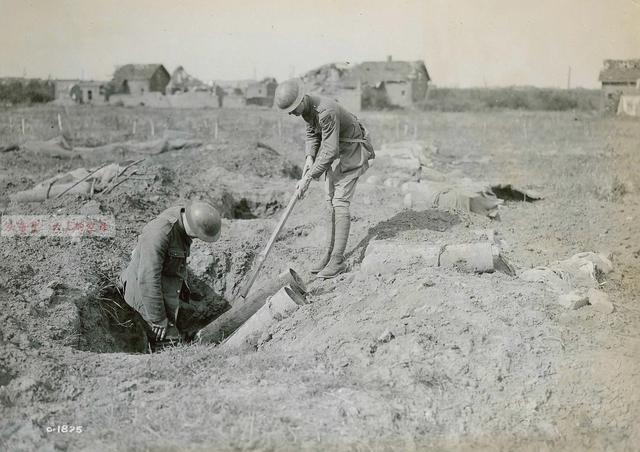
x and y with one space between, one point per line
302 186
160 329
308 163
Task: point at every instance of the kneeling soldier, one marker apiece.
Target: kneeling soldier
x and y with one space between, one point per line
154 282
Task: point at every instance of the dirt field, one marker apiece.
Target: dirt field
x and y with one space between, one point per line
412 358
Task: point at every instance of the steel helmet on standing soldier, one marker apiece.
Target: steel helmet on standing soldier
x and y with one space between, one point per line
289 94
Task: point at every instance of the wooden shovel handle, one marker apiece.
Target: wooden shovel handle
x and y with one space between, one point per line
265 252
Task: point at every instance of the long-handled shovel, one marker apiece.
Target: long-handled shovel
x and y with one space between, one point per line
265 252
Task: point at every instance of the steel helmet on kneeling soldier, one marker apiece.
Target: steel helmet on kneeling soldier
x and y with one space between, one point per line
289 94
204 221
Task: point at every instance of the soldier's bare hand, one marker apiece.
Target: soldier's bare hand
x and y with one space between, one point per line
302 186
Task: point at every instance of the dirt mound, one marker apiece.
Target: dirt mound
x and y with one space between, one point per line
262 160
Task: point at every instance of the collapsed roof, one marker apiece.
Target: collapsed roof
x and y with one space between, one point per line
621 71
373 73
183 81
135 72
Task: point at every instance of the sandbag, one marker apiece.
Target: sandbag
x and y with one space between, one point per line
468 197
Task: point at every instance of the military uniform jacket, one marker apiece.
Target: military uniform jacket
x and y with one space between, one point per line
329 130
158 267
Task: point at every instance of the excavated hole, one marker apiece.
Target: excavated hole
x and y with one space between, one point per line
508 193
248 207
109 325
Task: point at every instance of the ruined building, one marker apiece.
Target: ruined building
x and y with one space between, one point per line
372 84
261 93
138 79
619 77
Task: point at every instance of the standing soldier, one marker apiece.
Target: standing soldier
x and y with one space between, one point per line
154 282
338 146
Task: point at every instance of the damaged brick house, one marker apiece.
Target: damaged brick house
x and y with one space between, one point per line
392 83
372 84
138 79
262 92
88 92
338 81
619 77
183 82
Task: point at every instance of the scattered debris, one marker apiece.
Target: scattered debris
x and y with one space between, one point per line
385 337
80 181
407 165
467 196
571 277
574 299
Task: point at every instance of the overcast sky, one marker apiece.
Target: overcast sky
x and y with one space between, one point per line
463 42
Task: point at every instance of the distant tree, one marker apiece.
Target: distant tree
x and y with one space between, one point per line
27 92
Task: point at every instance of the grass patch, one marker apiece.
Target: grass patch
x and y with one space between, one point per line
512 98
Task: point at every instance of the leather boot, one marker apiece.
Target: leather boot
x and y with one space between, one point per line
329 237
336 263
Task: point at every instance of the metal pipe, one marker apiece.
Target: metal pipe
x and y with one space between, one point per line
281 305
242 309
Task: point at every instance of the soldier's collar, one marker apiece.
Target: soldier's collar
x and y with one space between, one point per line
183 230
